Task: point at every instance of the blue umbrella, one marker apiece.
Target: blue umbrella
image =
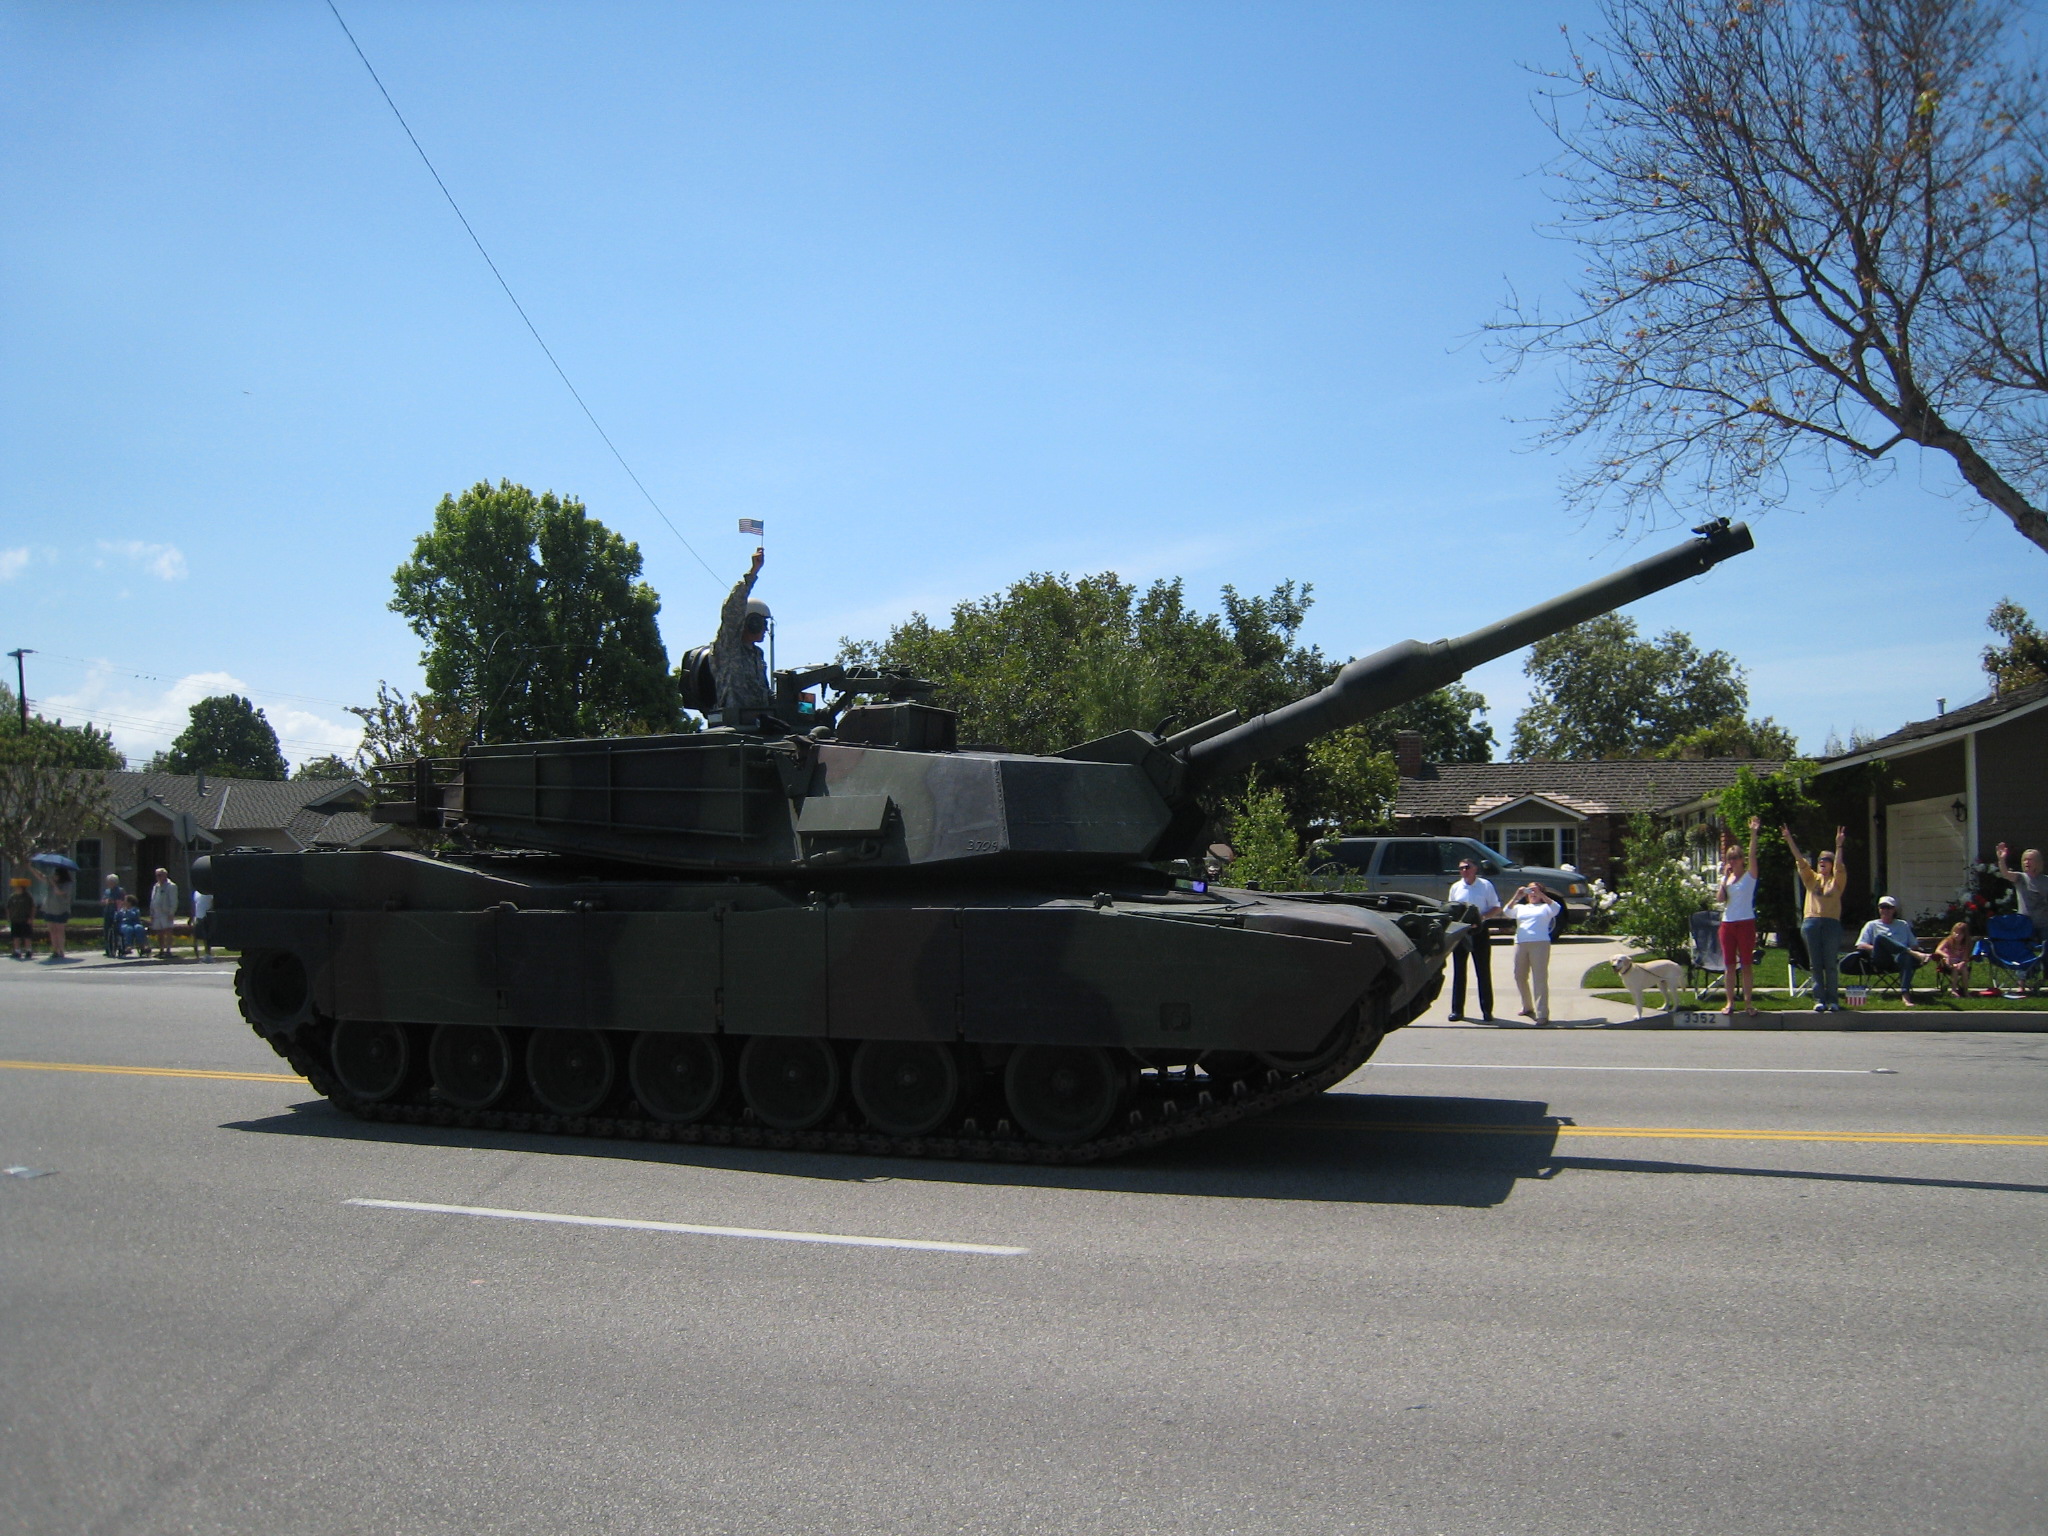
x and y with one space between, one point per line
53 861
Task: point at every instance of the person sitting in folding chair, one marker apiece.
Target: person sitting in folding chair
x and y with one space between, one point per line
1886 945
2012 952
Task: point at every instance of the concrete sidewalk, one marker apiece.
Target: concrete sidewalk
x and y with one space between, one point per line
1574 1007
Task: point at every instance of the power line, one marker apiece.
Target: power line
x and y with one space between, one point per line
531 328
107 670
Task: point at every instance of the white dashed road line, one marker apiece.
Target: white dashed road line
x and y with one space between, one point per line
921 1245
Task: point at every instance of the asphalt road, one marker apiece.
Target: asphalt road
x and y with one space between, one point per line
1357 1318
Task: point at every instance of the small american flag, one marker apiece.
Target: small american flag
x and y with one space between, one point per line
755 526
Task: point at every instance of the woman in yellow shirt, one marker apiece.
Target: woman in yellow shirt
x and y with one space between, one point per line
1821 927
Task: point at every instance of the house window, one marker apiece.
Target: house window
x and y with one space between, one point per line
1548 847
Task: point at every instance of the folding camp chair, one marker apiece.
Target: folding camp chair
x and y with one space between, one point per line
1796 960
1867 970
2011 949
1704 971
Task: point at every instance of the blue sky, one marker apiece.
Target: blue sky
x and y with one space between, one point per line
944 293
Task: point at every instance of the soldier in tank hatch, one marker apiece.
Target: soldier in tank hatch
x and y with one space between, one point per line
736 659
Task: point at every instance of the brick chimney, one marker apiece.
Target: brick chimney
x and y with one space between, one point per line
1408 754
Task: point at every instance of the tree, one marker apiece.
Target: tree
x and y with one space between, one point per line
1735 737
535 619
1602 693
1811 227
45 803
2023 659
1780 799
398 728
1451 721
326 766
1660 891
1263 837
76 746
225 735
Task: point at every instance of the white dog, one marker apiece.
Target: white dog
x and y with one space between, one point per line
1667 976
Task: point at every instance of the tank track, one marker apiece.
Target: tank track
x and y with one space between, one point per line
1167 1107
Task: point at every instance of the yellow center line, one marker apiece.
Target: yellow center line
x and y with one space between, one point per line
1641 1132
1664 1133
81 1066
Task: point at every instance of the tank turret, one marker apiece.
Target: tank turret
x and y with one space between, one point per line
830 925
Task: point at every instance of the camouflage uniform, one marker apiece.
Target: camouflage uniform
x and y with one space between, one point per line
737 662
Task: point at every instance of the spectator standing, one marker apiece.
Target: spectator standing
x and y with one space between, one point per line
202 922
1888 939
21 918
2030 884
1821 928
57 909
1737 895
1474 888
1535 915
163 912
110 916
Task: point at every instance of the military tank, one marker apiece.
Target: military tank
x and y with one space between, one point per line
833 927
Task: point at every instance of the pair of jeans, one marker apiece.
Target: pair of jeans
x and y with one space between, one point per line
1823 938
1889 952
1532 974
1480 948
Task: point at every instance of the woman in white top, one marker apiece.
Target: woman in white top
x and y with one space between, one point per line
1535 915
1737 893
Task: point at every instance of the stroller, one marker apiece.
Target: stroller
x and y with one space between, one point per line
2014 955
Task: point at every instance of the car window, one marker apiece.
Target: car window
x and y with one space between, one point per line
1491 860
1455 853
1411 857
1355 854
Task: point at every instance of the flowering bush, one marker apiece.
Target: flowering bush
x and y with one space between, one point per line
1656 909
1978 899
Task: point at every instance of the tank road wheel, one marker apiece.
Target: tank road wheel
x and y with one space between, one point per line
905 1087
571 1070
472 1064
373 1058
1063 1093
790 1081
273 988
1326 1051
677 1078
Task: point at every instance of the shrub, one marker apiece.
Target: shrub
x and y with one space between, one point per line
1655 910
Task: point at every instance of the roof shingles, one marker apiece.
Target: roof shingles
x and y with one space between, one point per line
1592 789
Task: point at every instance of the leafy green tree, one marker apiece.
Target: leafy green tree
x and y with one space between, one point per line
400 727
535 619
1350 787
47 801
1603 693
326 766
74 746
1778 800
1736 737
228 736
2023 659
1660 890
1263 837
1452 723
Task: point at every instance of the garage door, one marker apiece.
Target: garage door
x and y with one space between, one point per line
1927 856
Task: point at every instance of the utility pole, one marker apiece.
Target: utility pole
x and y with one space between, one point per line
21 684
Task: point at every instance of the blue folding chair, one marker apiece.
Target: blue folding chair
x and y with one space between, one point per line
2012 951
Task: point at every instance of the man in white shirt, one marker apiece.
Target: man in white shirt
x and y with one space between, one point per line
1479 892
1535 915
202 925
1888 940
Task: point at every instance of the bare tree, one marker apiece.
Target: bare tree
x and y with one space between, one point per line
1812 225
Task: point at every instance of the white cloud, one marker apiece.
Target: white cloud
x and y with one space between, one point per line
143 722
13 562
166 562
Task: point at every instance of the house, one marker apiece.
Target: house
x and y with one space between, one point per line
1935 796
166 820
1551 813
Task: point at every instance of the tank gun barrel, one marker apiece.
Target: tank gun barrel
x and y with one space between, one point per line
1412 668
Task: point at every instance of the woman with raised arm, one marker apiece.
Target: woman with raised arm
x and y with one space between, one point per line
1821 926
1737 895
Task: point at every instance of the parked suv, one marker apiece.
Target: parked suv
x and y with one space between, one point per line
1426 866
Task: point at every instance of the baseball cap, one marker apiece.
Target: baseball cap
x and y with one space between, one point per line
1886 901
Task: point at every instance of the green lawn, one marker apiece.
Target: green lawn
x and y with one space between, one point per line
1771 983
